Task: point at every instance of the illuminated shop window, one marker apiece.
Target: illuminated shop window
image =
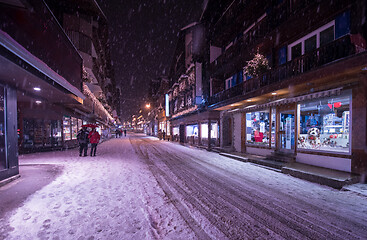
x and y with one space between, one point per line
67 128
74 127
324 124
192 133
257 127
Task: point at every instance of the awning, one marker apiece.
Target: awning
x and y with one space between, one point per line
15 48
283 101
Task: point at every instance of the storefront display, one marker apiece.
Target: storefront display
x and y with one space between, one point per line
324 124
168 128
257 127
74 128
273 126
38 133
56 133
66 128
204 132
214 133
192 133
175 133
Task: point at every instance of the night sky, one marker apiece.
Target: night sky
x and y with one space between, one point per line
143 36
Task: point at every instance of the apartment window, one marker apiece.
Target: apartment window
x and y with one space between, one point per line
228 83
85 44
282 55
312 41
342 24
327 36
189 49
297 51
310 44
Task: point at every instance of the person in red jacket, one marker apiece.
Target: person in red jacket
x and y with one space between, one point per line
94 140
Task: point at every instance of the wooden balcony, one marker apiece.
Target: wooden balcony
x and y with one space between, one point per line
324 55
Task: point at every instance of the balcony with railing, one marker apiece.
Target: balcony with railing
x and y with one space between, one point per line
338 49
235 52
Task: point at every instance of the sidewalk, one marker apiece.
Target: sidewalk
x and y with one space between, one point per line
332 178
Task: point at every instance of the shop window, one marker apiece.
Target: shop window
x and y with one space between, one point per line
80 123
56 133
2 129
214 133
273 127
204 131
175 133
66 128
38 133
168 128
47 133
74 128
257 127
192 133
324 125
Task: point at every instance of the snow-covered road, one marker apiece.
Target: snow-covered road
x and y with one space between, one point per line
141 188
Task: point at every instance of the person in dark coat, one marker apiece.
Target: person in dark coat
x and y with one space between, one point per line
125 132
83 141
117 132
94 140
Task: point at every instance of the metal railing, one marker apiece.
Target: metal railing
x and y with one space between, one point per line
338 49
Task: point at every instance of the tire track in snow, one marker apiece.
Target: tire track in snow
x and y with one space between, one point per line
318 229
181 209
317 223
279 197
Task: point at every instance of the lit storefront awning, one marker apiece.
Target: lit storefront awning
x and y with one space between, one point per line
10 46
284 101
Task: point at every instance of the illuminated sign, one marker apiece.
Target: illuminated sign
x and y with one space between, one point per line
167 105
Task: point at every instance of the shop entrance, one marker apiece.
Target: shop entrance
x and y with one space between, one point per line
286 130
182 133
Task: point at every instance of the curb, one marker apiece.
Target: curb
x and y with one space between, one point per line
297 173
8 180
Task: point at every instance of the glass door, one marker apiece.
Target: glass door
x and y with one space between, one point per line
286 133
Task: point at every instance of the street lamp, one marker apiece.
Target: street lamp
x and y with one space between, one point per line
147 105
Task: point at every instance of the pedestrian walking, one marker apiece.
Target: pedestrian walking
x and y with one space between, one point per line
125 132
83 141
94 140
117 132
164 135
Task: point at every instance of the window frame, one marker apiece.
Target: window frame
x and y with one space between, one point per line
309 35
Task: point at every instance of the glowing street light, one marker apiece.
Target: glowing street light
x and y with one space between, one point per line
147 105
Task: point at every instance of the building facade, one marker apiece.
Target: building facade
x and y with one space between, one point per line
43 96
289 80
190 121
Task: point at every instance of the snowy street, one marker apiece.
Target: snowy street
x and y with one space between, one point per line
139 187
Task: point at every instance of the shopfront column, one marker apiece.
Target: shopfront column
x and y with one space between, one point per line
209 134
